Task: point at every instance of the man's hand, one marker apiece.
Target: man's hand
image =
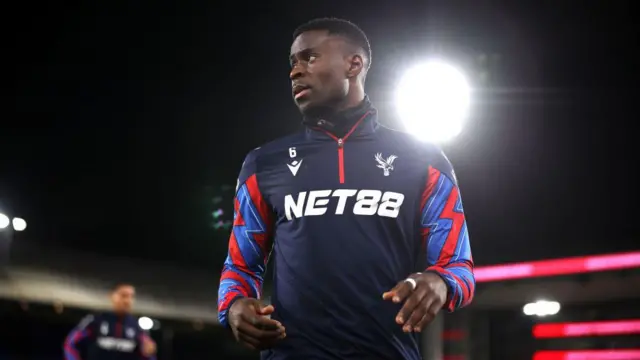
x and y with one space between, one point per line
148 346
251 326
422 303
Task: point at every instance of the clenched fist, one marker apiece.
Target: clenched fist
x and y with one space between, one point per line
251 326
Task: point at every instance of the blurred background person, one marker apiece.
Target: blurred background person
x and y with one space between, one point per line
111 335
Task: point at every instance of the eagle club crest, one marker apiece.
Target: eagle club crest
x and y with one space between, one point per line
385 164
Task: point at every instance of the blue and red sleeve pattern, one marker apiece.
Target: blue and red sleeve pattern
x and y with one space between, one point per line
249 245
76 336
444 229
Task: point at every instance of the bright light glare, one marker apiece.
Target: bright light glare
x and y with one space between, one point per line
145 323
541 308
433 101
555 267
4 221
589 328
19 224
608 354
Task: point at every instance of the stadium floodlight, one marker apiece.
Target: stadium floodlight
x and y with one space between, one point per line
145 323
433 101
541 308
19 224
4 221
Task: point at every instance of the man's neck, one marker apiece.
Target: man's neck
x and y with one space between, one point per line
339 122
354 99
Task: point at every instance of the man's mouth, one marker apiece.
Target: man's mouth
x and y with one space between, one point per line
300 90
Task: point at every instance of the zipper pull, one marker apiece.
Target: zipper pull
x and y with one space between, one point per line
340 143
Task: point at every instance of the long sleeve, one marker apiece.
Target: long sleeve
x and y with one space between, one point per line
250 242
444 229
144 337
76 336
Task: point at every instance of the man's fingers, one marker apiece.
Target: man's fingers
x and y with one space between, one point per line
391 293
257 333
149 347
267 310
399 293
410 305
419 313
248 341
431 313
258 343
261 322
260 327
426 319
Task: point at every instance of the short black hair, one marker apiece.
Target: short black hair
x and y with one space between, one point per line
116 286
340 27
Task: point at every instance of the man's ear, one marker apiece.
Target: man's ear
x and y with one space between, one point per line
356 66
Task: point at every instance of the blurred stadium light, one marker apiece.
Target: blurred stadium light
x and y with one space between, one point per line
19 224
145 323
609 354
591 328
555 267
4 221
541 308
433 101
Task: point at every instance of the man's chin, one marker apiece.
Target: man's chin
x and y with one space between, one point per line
312 110
303 105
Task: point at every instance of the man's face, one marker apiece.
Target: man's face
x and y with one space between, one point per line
123 299
319 70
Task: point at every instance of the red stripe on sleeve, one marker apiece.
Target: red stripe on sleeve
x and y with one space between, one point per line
432 179
236 277
465 265
234 252
451 243
239 220
463 286
264 212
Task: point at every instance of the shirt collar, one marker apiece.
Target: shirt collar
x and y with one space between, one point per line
363 117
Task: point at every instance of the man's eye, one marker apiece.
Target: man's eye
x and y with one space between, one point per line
312 58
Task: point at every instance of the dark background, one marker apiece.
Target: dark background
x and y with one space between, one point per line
130 116
36 332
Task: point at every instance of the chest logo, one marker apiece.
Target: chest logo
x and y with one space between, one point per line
341 201
295 166
385 164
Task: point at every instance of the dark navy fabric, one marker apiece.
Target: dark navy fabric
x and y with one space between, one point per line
346 213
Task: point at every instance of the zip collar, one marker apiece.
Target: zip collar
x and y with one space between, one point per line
359 121
117 317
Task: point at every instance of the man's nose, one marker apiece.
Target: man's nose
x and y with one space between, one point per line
296 72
